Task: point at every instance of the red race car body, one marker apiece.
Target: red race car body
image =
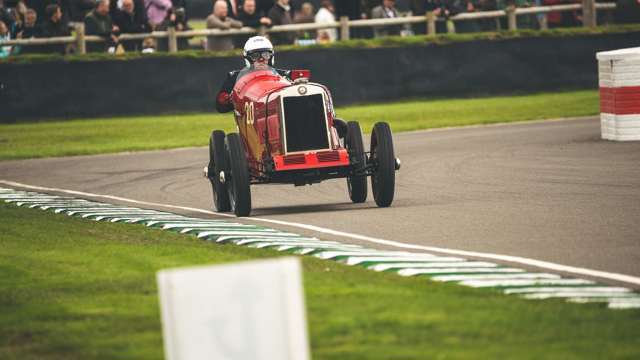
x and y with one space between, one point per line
287 126
288 133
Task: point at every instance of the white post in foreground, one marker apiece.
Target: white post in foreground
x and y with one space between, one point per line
253 310
619 78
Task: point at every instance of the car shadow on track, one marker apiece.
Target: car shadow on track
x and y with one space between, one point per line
312 208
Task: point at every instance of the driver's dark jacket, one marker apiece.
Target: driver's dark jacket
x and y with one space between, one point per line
225 106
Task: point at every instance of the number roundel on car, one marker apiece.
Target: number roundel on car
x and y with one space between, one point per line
248 113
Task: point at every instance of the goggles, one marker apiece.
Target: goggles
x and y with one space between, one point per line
254 56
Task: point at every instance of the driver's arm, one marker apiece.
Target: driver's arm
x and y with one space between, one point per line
223 99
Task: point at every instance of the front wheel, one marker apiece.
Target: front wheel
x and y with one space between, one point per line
356 184
218 165
383 180
238 183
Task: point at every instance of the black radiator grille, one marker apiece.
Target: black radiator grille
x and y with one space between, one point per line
305 123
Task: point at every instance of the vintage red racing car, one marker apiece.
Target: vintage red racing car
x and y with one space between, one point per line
287 134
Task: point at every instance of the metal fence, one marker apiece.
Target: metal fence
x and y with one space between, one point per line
589 9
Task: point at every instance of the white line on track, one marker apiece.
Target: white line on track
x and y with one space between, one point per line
629 279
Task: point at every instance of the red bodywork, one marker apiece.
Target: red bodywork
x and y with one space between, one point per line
257 101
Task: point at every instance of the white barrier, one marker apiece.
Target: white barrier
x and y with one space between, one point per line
619 79
247 311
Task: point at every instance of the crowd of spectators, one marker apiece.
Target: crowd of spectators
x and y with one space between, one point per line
23 19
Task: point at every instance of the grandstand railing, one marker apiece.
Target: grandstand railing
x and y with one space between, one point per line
588 8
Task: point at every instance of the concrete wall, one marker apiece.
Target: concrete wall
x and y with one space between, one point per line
44 90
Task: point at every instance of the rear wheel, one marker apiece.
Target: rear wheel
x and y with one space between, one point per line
218 163
237 181
357 184
383 179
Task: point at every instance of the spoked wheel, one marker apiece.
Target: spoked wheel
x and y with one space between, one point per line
383 158
357 184
237 181
218 164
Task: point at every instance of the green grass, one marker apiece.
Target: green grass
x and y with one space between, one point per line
94 136
76 289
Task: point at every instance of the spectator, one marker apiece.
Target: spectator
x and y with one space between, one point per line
306 15
18 12
296 5
263 6
65 8
354 10
440 8
219 20
177 4
5 16
29 28
157 11
98 22
78 9
280 14
5 51
386 10
53 26
249 16
177 19
233 8
464 6
129 21
326 15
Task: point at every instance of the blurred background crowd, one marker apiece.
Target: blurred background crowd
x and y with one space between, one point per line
23 19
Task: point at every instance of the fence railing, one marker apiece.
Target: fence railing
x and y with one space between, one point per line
588 8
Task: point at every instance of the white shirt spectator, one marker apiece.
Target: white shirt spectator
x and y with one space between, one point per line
325 16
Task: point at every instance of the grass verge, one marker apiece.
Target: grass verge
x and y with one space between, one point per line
77 289
95 136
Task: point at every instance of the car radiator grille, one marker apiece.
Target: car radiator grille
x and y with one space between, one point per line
328 156
305 123
294 159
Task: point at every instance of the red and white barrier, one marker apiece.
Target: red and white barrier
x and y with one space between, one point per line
619 75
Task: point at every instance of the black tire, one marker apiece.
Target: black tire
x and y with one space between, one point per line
238 183
357 184
383 180
218 163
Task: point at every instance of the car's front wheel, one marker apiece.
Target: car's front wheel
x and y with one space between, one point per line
237 181
356 183
383 158
217 166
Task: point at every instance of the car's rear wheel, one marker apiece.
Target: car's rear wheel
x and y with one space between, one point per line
237 181
356 184
217 164
383 158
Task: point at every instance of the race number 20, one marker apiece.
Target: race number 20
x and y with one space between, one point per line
248 112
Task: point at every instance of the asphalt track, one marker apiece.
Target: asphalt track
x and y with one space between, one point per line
549 191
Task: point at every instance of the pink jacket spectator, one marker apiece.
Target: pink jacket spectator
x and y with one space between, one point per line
157 10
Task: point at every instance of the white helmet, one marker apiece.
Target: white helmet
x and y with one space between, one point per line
255 48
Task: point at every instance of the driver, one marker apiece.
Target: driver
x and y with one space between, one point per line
258 52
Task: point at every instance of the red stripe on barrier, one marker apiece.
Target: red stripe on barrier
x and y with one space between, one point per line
620 101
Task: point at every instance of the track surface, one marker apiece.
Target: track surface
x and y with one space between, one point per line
548 190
